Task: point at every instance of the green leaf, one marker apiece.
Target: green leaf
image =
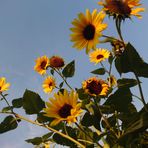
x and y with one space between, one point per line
39 140
8 124
52 71
35 141
87 117
120 99
100 71
124 82
63 141
130 61
17 103
61 85
32 102
69 70
46 136
41 118
82 95
8 108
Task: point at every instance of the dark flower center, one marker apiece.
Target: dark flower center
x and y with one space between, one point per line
94 87
119 6
99 56
65 111
89 32
43 65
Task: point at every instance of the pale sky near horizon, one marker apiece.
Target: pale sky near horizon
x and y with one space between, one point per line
32 28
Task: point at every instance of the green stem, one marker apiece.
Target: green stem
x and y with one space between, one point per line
141 93
105 119
49 128
59 73
118 27
8 104
87 134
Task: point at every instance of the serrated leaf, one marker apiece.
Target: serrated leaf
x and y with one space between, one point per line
130 61
100 71
69 69
32 102
120 99
46 136
9 123
17 103
124 82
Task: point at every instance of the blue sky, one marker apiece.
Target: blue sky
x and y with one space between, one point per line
32 28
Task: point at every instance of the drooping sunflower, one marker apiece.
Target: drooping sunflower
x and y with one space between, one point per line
122 8
42 64
56 62
3 85
95 86
87 29
99 55
49 84
63 107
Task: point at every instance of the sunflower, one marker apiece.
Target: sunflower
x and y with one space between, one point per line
99 55
42 64
48 84
63 107
87 29
122 8
56 62
94 86
112 81
3 85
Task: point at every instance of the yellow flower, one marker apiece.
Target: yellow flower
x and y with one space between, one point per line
122 8
99 55
94 86
3 85
48 84
42 64
87 29
56 62
112 81
63 107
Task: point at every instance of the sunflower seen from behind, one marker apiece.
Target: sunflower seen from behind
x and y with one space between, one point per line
87 29
4 86
42 64
122 8
95 87
63 107
49 84
99 55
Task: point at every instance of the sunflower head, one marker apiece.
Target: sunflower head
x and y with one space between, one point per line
121 8
95 87
49 84
99 55
42 64
56 62
87 29
63 107
3 85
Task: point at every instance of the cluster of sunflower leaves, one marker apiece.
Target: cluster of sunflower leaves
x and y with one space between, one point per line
78 118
